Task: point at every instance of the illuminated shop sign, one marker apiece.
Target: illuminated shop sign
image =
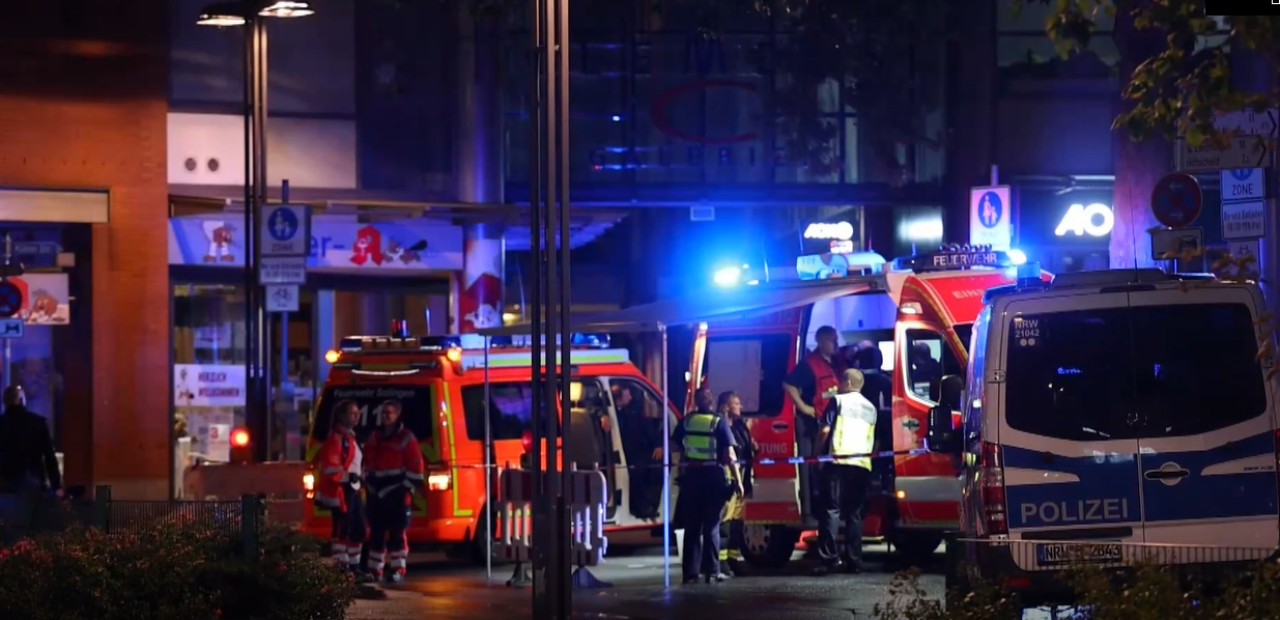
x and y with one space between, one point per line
1095 220
839 231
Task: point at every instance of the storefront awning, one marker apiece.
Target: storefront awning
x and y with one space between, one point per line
585 225
742 303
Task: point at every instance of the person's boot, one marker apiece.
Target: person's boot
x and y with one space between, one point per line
397 575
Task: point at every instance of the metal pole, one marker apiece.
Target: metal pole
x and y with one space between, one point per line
260 186
8 343
541 504
666 467
561 171
488 471
250 275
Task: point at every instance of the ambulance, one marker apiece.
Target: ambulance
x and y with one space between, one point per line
919 312
441 383
1113 417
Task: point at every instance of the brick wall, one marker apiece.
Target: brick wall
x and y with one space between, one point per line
83 98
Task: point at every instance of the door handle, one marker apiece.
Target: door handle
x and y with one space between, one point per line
1166 474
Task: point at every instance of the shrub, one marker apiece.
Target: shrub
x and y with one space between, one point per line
170 571
1145 593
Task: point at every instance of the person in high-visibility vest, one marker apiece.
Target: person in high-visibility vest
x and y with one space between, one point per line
847 433
709 477
732 527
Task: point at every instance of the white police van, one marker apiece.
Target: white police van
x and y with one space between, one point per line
1112 417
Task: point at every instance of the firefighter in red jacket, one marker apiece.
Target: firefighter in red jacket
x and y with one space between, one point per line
810 386
338 465
393 469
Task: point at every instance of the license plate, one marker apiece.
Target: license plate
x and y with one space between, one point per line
1060 554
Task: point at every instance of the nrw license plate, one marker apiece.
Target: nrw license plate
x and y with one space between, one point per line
1060 555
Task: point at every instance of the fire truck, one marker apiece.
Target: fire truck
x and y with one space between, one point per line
918 311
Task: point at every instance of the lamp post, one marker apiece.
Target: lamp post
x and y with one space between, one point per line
253 15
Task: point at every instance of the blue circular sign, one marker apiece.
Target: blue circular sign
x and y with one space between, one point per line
1242 174
10 299
283 224
990 210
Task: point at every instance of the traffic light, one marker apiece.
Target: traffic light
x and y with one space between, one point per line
241 446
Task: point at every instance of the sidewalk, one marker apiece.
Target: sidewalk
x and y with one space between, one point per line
836 597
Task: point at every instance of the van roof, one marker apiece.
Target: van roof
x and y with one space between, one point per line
1101 281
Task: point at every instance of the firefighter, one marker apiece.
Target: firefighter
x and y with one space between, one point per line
393 469
338 486
709 478
809 386
732 526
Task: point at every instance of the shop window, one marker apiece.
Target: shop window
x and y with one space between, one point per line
208 373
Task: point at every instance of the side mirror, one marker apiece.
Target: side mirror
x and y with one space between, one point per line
941 436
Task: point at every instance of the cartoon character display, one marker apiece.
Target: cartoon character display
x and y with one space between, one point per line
44 308
368 247
479 303
219 234
405 255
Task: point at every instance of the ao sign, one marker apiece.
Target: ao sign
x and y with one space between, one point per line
839 231
1095 220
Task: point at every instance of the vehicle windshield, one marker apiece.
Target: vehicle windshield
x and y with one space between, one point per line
510 409
417 413
1125 373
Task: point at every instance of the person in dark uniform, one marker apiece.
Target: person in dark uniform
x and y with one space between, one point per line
877 387
28 462
709 477
732 525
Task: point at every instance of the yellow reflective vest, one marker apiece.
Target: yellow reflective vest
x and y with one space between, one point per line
700 437
854 431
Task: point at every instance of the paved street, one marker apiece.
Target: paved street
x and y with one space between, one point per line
440 590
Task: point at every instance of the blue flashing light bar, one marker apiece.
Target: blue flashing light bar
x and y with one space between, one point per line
953 257
465 341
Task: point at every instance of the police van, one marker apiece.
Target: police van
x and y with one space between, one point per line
1112 417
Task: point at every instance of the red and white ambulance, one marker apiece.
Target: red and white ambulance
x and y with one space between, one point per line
919 312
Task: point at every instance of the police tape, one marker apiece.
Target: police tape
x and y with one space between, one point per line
794 460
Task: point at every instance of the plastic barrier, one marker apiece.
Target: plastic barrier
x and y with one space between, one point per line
586 507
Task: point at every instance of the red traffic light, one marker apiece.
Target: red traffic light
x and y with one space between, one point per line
526 441
239 438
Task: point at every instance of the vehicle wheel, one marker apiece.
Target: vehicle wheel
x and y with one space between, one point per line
477 546
915 548
768 546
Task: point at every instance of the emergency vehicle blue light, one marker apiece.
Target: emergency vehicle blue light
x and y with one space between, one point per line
727 276
1029 272
591 340
1017 257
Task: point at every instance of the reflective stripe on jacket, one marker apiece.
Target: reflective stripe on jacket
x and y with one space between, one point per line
700 437
393 462
332 465
855 429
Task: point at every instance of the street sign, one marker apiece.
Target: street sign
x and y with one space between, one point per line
1176 200
282 298
1241 152
1241 249
1172 243
286 230
1248 122
12 328
282 270
10 298
1244 220
990 215
1242 184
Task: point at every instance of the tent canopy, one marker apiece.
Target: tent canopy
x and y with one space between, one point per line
711 305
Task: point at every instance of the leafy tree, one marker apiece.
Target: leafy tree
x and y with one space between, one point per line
1176 73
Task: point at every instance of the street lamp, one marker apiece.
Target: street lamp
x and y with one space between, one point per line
253 13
